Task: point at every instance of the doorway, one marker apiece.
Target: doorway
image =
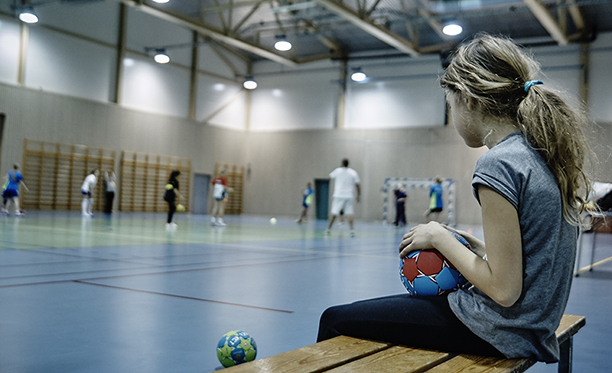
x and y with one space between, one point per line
201 185
322 198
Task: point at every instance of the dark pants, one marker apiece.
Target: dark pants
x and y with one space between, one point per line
108 202
171 210
400 213
423 322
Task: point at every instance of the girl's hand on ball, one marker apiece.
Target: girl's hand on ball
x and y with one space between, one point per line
420 237
477 245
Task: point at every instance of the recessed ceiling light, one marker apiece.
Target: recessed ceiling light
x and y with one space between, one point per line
358 76
452 29
282 45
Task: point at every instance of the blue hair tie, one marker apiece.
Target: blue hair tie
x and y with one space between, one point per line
532 82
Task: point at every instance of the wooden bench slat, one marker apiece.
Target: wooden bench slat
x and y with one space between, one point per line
395 359
481 364
314 358
347 354
570 324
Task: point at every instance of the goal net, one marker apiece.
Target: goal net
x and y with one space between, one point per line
418 197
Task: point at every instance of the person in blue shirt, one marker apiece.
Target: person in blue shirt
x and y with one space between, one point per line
306 201
435 200
11 190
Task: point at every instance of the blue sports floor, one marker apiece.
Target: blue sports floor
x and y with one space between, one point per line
124 295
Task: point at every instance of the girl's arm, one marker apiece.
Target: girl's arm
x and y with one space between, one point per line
477 245
501 275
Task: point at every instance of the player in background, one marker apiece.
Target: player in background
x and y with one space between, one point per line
111 187
400 206
220 195
346 182
87 190
170 196
10 192
306 201
435 200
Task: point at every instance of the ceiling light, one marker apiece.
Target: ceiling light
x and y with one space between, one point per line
161 56
27 15
249 83
282 45
358 75
452 29
161 1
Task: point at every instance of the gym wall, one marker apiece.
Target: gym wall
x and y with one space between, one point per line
393 125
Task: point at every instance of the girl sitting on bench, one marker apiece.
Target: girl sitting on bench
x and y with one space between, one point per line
531 186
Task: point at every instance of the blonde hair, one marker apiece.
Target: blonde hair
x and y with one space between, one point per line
490 73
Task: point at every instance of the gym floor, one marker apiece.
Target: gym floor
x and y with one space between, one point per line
124 295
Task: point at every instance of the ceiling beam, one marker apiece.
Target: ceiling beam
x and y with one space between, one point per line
574 11
373 8
378 32
329 43
435 25
227 6
209 31
245 18
540 11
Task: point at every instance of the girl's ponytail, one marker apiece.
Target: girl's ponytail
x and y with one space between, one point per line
554 129
493 75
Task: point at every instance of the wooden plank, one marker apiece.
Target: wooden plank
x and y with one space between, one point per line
314 358
570 324
396 359
482 364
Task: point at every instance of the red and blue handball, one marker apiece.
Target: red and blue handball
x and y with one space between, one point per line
427 272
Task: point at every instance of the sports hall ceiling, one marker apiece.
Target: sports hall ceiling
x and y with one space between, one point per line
324 29
335 29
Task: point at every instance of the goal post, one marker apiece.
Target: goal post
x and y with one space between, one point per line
448 186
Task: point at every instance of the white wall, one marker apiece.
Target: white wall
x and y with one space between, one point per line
64 64
292 101
155 88
222 103
398 94
59 61
9 50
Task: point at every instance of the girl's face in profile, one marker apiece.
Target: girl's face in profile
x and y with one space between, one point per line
465 121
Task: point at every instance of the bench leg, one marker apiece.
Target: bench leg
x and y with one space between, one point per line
565 360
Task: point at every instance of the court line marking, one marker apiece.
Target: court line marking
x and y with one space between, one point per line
590 266
181 296
319 255
145 274
164 239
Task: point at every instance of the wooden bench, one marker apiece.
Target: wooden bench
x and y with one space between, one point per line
347 354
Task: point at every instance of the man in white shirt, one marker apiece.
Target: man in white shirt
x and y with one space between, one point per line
346 181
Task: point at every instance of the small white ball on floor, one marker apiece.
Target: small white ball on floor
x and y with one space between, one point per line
273 221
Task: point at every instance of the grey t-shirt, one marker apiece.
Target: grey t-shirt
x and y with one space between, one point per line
518 173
